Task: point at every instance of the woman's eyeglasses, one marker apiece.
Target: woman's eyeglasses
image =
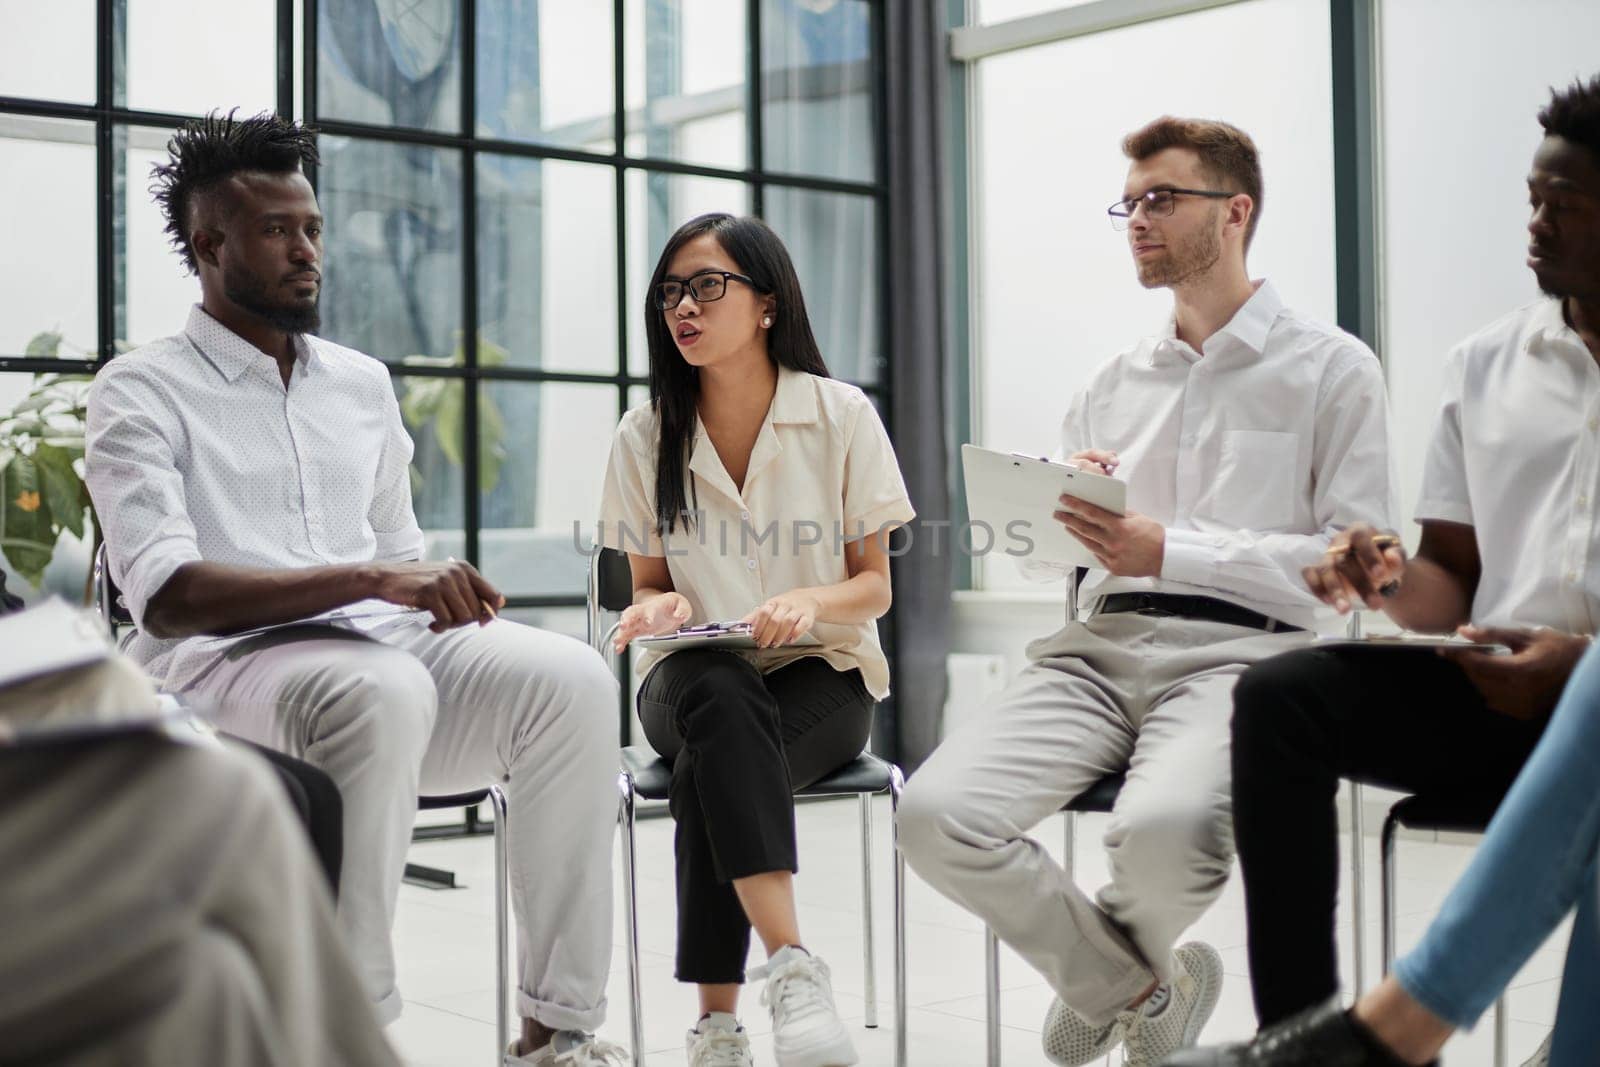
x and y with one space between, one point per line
704 287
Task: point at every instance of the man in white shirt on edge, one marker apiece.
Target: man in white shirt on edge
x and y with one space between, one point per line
249 474
1509 508
1247 434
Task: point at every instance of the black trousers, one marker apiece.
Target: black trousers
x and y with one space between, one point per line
740 743
1401 719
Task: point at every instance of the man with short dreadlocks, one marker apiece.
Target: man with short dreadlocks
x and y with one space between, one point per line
252 481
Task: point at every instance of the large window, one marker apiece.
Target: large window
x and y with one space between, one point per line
1056 294
497 179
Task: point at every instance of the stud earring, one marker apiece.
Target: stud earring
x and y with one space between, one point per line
766 322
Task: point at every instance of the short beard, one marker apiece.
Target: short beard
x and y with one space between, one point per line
248 292
1193 256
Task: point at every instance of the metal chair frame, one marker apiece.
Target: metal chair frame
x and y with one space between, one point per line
1401 816
114 613
600 600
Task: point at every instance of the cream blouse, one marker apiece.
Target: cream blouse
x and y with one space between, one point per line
822 473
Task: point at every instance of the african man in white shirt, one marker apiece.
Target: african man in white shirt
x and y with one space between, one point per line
247 475
1247 435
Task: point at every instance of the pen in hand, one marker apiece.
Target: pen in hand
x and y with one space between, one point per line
1382 542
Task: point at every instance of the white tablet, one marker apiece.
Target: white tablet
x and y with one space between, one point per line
1005 488
1410 640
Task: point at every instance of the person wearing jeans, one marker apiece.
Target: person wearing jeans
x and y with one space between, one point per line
1536 863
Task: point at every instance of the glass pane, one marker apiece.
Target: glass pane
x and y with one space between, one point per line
686 71
195 56
546 73
833 239
390 62
547 264
432 411
816 88
1059 294
1443 282
54 60
657 205
392 249
1001 10
47 176
154 287
560 436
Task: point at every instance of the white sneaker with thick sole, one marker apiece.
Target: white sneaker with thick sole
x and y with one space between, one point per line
806 1031
1189 1002
570 1048
719 1041
1070 1040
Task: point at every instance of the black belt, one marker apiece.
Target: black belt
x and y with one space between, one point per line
1193 607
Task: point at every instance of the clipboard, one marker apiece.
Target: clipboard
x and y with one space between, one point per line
1007 487
1408 640
736 635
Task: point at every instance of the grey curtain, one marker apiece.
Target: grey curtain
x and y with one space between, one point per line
916 98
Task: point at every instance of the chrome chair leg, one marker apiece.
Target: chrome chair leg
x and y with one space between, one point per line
897 782
497 799
1069 843
1387 890
631 918
1501 1032
869 954
1358 895
991 996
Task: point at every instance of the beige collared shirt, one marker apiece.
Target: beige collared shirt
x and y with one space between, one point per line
822 473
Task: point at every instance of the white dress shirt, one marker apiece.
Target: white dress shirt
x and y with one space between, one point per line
1516 455
822 473
1252 453
196 450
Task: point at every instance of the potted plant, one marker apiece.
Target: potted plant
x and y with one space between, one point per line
41 467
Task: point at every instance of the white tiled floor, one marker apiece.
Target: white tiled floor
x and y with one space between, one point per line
445 940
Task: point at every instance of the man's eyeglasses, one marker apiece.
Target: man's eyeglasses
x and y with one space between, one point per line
1157 203
705 287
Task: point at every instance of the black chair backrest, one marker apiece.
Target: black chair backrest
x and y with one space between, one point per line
108 598
613 580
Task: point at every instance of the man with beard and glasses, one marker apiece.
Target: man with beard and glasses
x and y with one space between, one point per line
1509 505
1248 434
249 475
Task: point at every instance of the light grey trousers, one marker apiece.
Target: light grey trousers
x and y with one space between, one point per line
159 907
1149 695
404 711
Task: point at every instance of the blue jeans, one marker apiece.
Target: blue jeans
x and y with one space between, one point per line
1538 860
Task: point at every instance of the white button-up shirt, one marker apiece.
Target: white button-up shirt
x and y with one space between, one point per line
822 473
1516 456
1252 453
197 451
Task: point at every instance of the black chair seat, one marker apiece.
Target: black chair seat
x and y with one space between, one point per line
652 776
1100 797
1451 815
454 800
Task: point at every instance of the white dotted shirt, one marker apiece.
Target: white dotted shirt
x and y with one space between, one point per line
196 450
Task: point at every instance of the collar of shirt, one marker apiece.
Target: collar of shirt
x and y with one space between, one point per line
1549 329
1249 326
231 354
794 403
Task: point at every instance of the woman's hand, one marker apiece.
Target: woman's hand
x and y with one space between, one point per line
783 618
660 614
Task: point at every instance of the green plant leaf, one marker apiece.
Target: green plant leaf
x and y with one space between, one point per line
61 487
43 345
25 523
491 447
447 421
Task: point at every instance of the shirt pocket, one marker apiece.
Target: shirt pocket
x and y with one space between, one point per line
1255 482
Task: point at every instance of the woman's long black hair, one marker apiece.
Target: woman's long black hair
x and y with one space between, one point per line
759 253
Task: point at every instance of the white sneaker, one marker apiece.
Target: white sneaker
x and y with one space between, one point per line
719 1041
1070 1040
1182 1013
570 1048
806 1031
1541 1055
